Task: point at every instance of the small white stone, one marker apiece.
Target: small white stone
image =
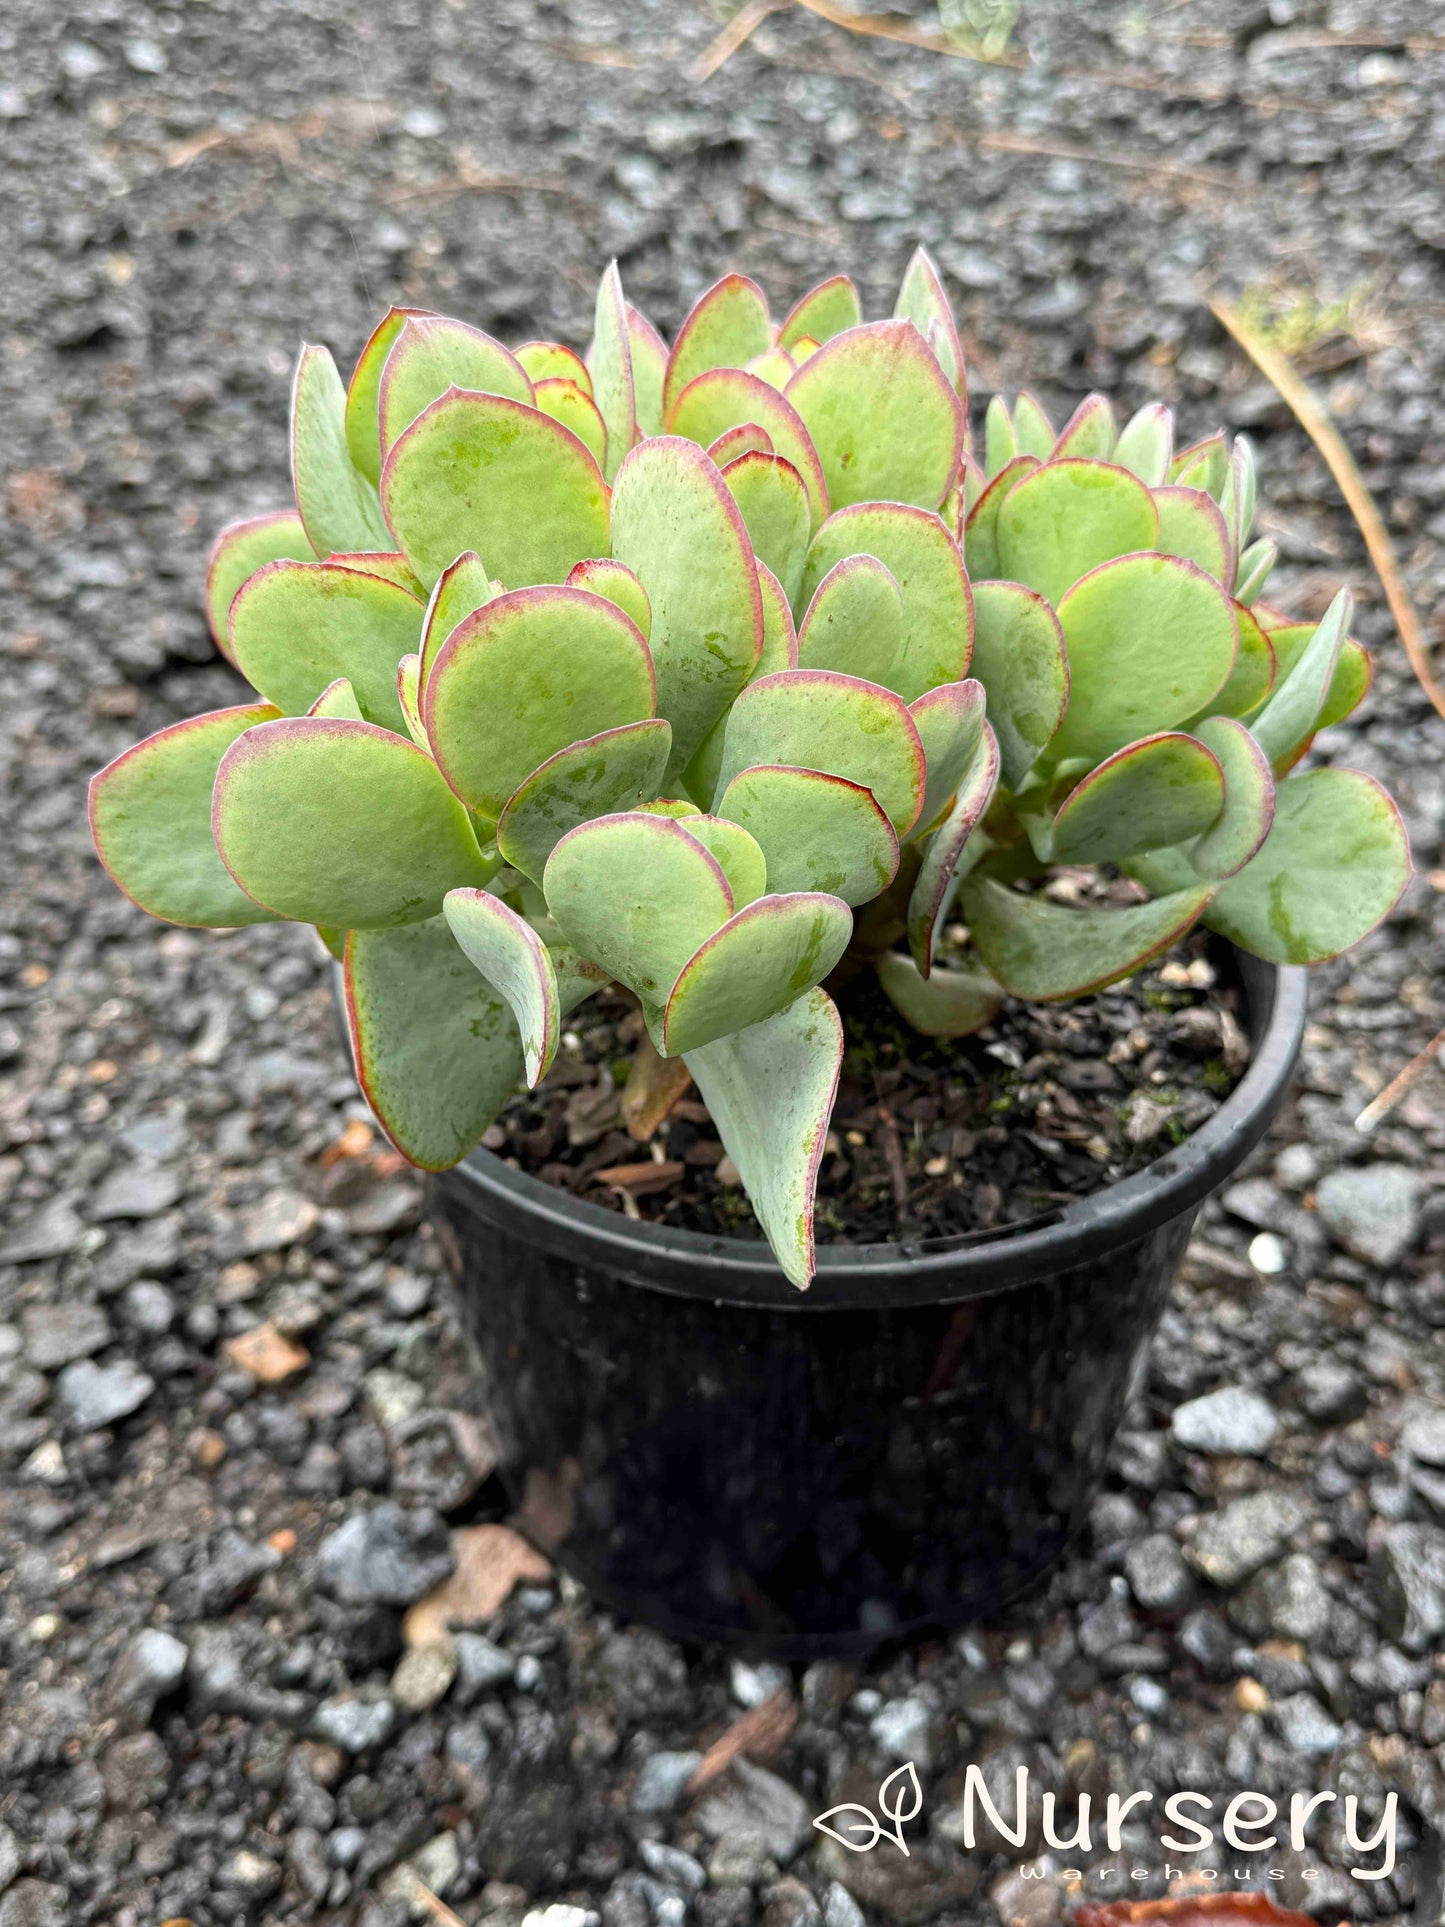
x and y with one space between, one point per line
1268 1255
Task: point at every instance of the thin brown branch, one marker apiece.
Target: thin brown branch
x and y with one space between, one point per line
1380 1107
760 1734
1003 142
874 28
438 1909
893 1158
1312 418
737 33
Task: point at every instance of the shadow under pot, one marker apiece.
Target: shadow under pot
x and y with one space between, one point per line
898 1450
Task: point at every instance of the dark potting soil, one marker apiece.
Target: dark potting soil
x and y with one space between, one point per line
929 1137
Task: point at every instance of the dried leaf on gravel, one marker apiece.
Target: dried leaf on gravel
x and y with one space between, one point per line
1193 1910
490 1561
759 1735
267 1354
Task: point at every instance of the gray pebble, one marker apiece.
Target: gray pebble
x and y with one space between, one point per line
1373 1210
391 1554
661 1781
1232 1420
94 1396
1245 1535
355 1721
56 1335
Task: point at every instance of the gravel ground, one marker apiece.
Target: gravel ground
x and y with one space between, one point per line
236 1418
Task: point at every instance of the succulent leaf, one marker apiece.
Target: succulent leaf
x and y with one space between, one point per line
1349 686
339 699
885 419
565 402
677 527
1163 789
1249 794
150 816
1288 718
1256 566
591 886
726 328
615 583
1335 862
725 398
959 837
816 832
433 355
1033 431
617 770
408 694
326 821
946 1003
1150 641
479 472
927 564
823 312
949 721
1000 444
818 719
1019 657
773 503
854 622
923 300
335 501
237 552
769 1090
1089 433
649 371
514 961
1192 525
1203 465
1145 445
739 854
773 368
780 638
517 681
363 392
610 364
436 1049
762 959
553 361
1066 518
1254 673
297 626
980 532
1042 951
746 439
459 591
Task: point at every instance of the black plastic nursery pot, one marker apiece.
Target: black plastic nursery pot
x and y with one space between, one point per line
900 1448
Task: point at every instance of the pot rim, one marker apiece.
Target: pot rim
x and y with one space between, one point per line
701 1265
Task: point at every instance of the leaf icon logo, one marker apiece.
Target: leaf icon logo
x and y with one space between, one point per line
900 1799
864 1819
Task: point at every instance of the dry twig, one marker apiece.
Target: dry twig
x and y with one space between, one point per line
1380 1107
438 1909
760 1734
1312 418
1002 142
874 28
737 33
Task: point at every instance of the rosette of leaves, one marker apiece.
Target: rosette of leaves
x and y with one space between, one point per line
718 668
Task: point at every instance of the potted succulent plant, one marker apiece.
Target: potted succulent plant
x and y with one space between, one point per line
730 674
